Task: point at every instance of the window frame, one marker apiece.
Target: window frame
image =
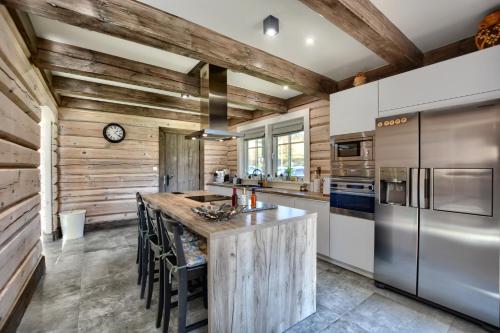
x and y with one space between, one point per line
289 144
246 155
267 124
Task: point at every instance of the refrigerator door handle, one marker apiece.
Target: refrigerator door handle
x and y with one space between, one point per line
414 187
424 182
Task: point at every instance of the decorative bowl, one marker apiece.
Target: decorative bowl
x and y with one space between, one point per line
218 213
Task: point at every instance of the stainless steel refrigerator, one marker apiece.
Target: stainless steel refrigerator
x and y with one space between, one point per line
437 209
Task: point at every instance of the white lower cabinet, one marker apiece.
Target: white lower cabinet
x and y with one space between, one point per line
352 241
323 224
280 200
320 207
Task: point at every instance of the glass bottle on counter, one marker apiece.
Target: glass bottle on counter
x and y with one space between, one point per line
234 198
253 199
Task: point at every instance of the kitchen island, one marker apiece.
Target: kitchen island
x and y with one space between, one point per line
261 265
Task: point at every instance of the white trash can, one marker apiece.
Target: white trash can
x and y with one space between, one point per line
72 223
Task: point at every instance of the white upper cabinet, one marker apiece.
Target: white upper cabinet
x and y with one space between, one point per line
471 78
354 110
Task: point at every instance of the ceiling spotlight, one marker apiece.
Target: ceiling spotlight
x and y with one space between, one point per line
285 87
220 140
193 138
233 137
184 95
271 26
310 40
204 135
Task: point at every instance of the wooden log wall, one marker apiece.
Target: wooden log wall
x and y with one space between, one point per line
22 91
215 158
103 177
319 122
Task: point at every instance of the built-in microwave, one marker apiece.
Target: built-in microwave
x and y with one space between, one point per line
353 155
353 147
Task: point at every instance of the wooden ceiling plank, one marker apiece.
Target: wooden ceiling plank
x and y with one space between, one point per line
369 26
140 23
75 60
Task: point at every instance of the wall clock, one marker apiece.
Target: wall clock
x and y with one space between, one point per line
114 133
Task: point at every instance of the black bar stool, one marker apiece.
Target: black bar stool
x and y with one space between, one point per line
141 238
153 252
188 264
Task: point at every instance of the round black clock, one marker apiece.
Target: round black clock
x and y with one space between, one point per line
114 133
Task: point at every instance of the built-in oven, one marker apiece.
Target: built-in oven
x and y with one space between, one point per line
353 175
353 197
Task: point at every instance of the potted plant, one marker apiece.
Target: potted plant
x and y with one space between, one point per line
288 172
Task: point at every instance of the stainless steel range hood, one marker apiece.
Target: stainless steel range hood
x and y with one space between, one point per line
213 105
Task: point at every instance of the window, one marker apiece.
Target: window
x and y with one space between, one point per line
289 154
254 155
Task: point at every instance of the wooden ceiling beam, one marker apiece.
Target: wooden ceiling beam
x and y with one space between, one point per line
76 60
254 99
79 88
140 23
71 59
92 105
195 71
452 50
25 27
369 26
90 90
300 100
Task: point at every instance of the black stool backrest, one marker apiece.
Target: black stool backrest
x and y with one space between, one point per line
152 222
141 212
171 232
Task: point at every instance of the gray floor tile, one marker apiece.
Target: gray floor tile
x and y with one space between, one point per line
91 286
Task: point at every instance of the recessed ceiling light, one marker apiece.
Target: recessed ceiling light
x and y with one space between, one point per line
184 95
204 135
271 26
285 87
310 41
193 138
233 137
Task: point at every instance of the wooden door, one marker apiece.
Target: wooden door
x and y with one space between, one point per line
179 162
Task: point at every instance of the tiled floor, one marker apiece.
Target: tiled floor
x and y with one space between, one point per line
90 286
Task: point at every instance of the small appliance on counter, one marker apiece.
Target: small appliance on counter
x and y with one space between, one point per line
326 185
219 176
352 185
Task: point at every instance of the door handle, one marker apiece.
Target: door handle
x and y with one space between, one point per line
424 185
414 183
166 180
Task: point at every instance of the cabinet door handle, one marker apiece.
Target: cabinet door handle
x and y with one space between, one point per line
424 182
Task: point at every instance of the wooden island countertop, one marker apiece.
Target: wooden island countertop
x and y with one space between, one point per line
179 208
261 265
